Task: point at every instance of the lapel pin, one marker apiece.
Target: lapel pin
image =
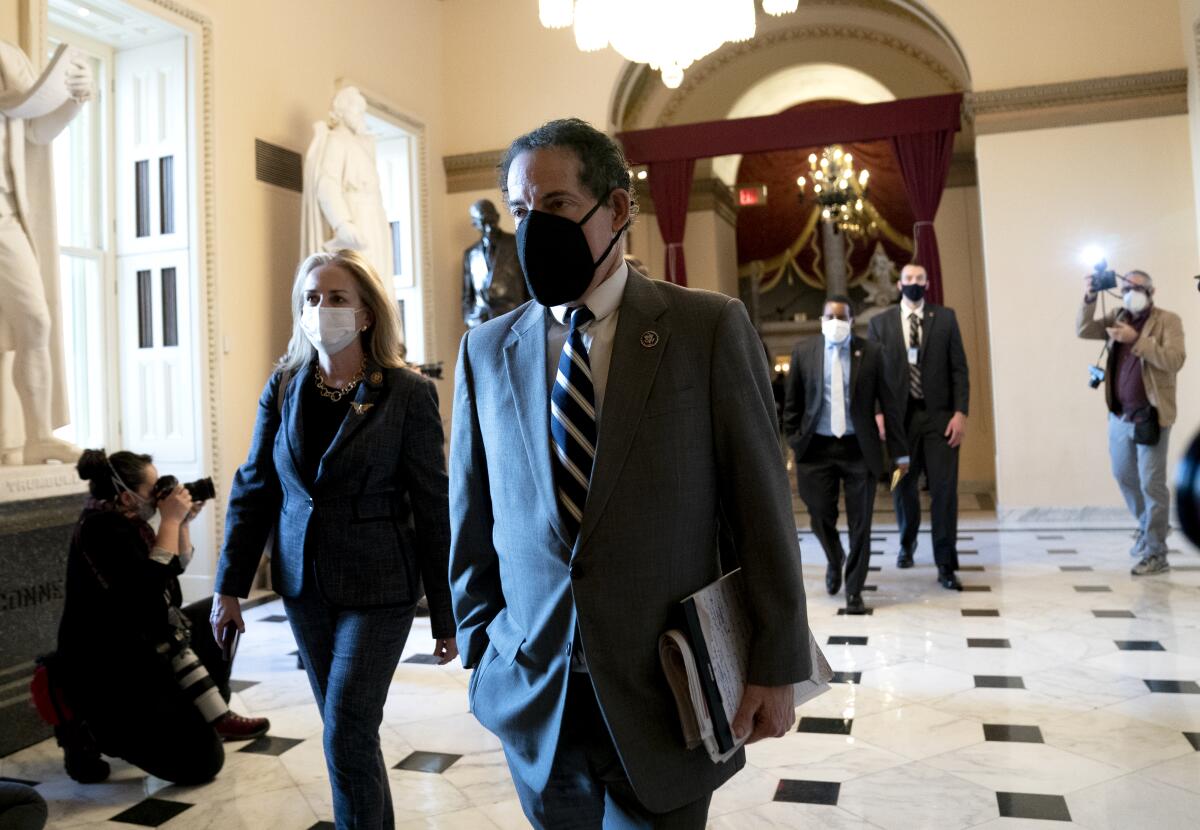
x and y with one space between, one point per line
649 339
360 408
858 354
377 378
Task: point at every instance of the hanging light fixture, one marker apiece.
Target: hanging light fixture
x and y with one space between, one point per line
840 191
780 7
667 35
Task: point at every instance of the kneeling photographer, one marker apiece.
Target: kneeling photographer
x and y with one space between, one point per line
1145 352
140 673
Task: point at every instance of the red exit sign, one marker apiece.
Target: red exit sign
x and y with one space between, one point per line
749 195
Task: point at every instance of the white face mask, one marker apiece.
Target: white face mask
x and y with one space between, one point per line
1135 301
835 331
329 329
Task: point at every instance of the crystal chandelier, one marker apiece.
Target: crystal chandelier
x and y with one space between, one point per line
840 190
668 35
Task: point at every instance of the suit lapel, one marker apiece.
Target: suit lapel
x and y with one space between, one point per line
928 321
856 352
361 411
525 362
816 377
630 376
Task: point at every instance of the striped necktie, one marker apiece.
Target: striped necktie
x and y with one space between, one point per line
573 423
914 369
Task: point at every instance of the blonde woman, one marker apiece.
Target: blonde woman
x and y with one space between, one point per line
346 467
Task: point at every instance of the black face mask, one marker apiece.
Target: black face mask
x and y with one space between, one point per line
555 256
913 293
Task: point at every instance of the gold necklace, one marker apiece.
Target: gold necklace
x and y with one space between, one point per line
336 395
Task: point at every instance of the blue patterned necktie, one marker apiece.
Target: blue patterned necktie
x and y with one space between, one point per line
573 423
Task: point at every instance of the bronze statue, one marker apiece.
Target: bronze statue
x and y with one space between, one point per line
493 283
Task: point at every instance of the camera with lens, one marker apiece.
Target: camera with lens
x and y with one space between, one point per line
1095 377
202 489
1103 277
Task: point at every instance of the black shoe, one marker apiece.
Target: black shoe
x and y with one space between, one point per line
81 758
949 581
833 579
905 559
854 604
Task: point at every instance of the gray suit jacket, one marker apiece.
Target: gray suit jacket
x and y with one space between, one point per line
374 524
870 392
687 434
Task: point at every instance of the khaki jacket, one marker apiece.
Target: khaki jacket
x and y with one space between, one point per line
1160 348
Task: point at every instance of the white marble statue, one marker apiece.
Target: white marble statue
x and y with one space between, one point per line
880 285
30 319
342 202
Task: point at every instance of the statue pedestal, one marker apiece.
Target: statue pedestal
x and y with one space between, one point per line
38 509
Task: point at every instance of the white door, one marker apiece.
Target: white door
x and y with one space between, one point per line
158 354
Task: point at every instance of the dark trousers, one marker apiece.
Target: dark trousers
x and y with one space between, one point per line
929 452
146 719
350 656
588 788
827 464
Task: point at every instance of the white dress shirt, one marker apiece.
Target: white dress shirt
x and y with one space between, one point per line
905 323
604 302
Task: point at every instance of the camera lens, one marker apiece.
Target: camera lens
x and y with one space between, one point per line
201 489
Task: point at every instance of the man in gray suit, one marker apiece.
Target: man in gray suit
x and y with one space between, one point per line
600 434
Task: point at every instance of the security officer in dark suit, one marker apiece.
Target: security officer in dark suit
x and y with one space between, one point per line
924 359
835 385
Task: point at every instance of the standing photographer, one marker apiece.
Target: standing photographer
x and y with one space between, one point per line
1145 353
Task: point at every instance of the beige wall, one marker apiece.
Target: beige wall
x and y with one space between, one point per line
392 48
1044 196
1023 42
709 250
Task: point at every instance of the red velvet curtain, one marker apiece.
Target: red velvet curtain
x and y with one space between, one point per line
670 187
924 164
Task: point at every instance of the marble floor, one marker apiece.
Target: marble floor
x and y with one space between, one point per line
1056 691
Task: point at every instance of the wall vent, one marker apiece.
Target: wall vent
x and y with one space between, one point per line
278 166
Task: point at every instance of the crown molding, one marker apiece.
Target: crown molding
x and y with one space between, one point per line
1074 103
471 171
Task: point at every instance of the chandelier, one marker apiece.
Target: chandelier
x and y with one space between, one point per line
840 190
668 35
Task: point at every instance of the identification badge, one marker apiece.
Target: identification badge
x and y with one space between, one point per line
914 355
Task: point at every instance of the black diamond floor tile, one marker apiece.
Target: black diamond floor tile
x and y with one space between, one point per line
271 745
1051 538
877 553
987 642
878 538
966 538
1193 739
324 825
842 640
242 685
854 677
274 618
968 553
871 568
980 612
1173 687
1139 645
998 681
1185 567
435 762
1012 734
1062 551
424 659
1033 806
842 612
151 812
808 792
1075 568
4 779
826 726
1114 615
978 589
1093 589
972 568
870 587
